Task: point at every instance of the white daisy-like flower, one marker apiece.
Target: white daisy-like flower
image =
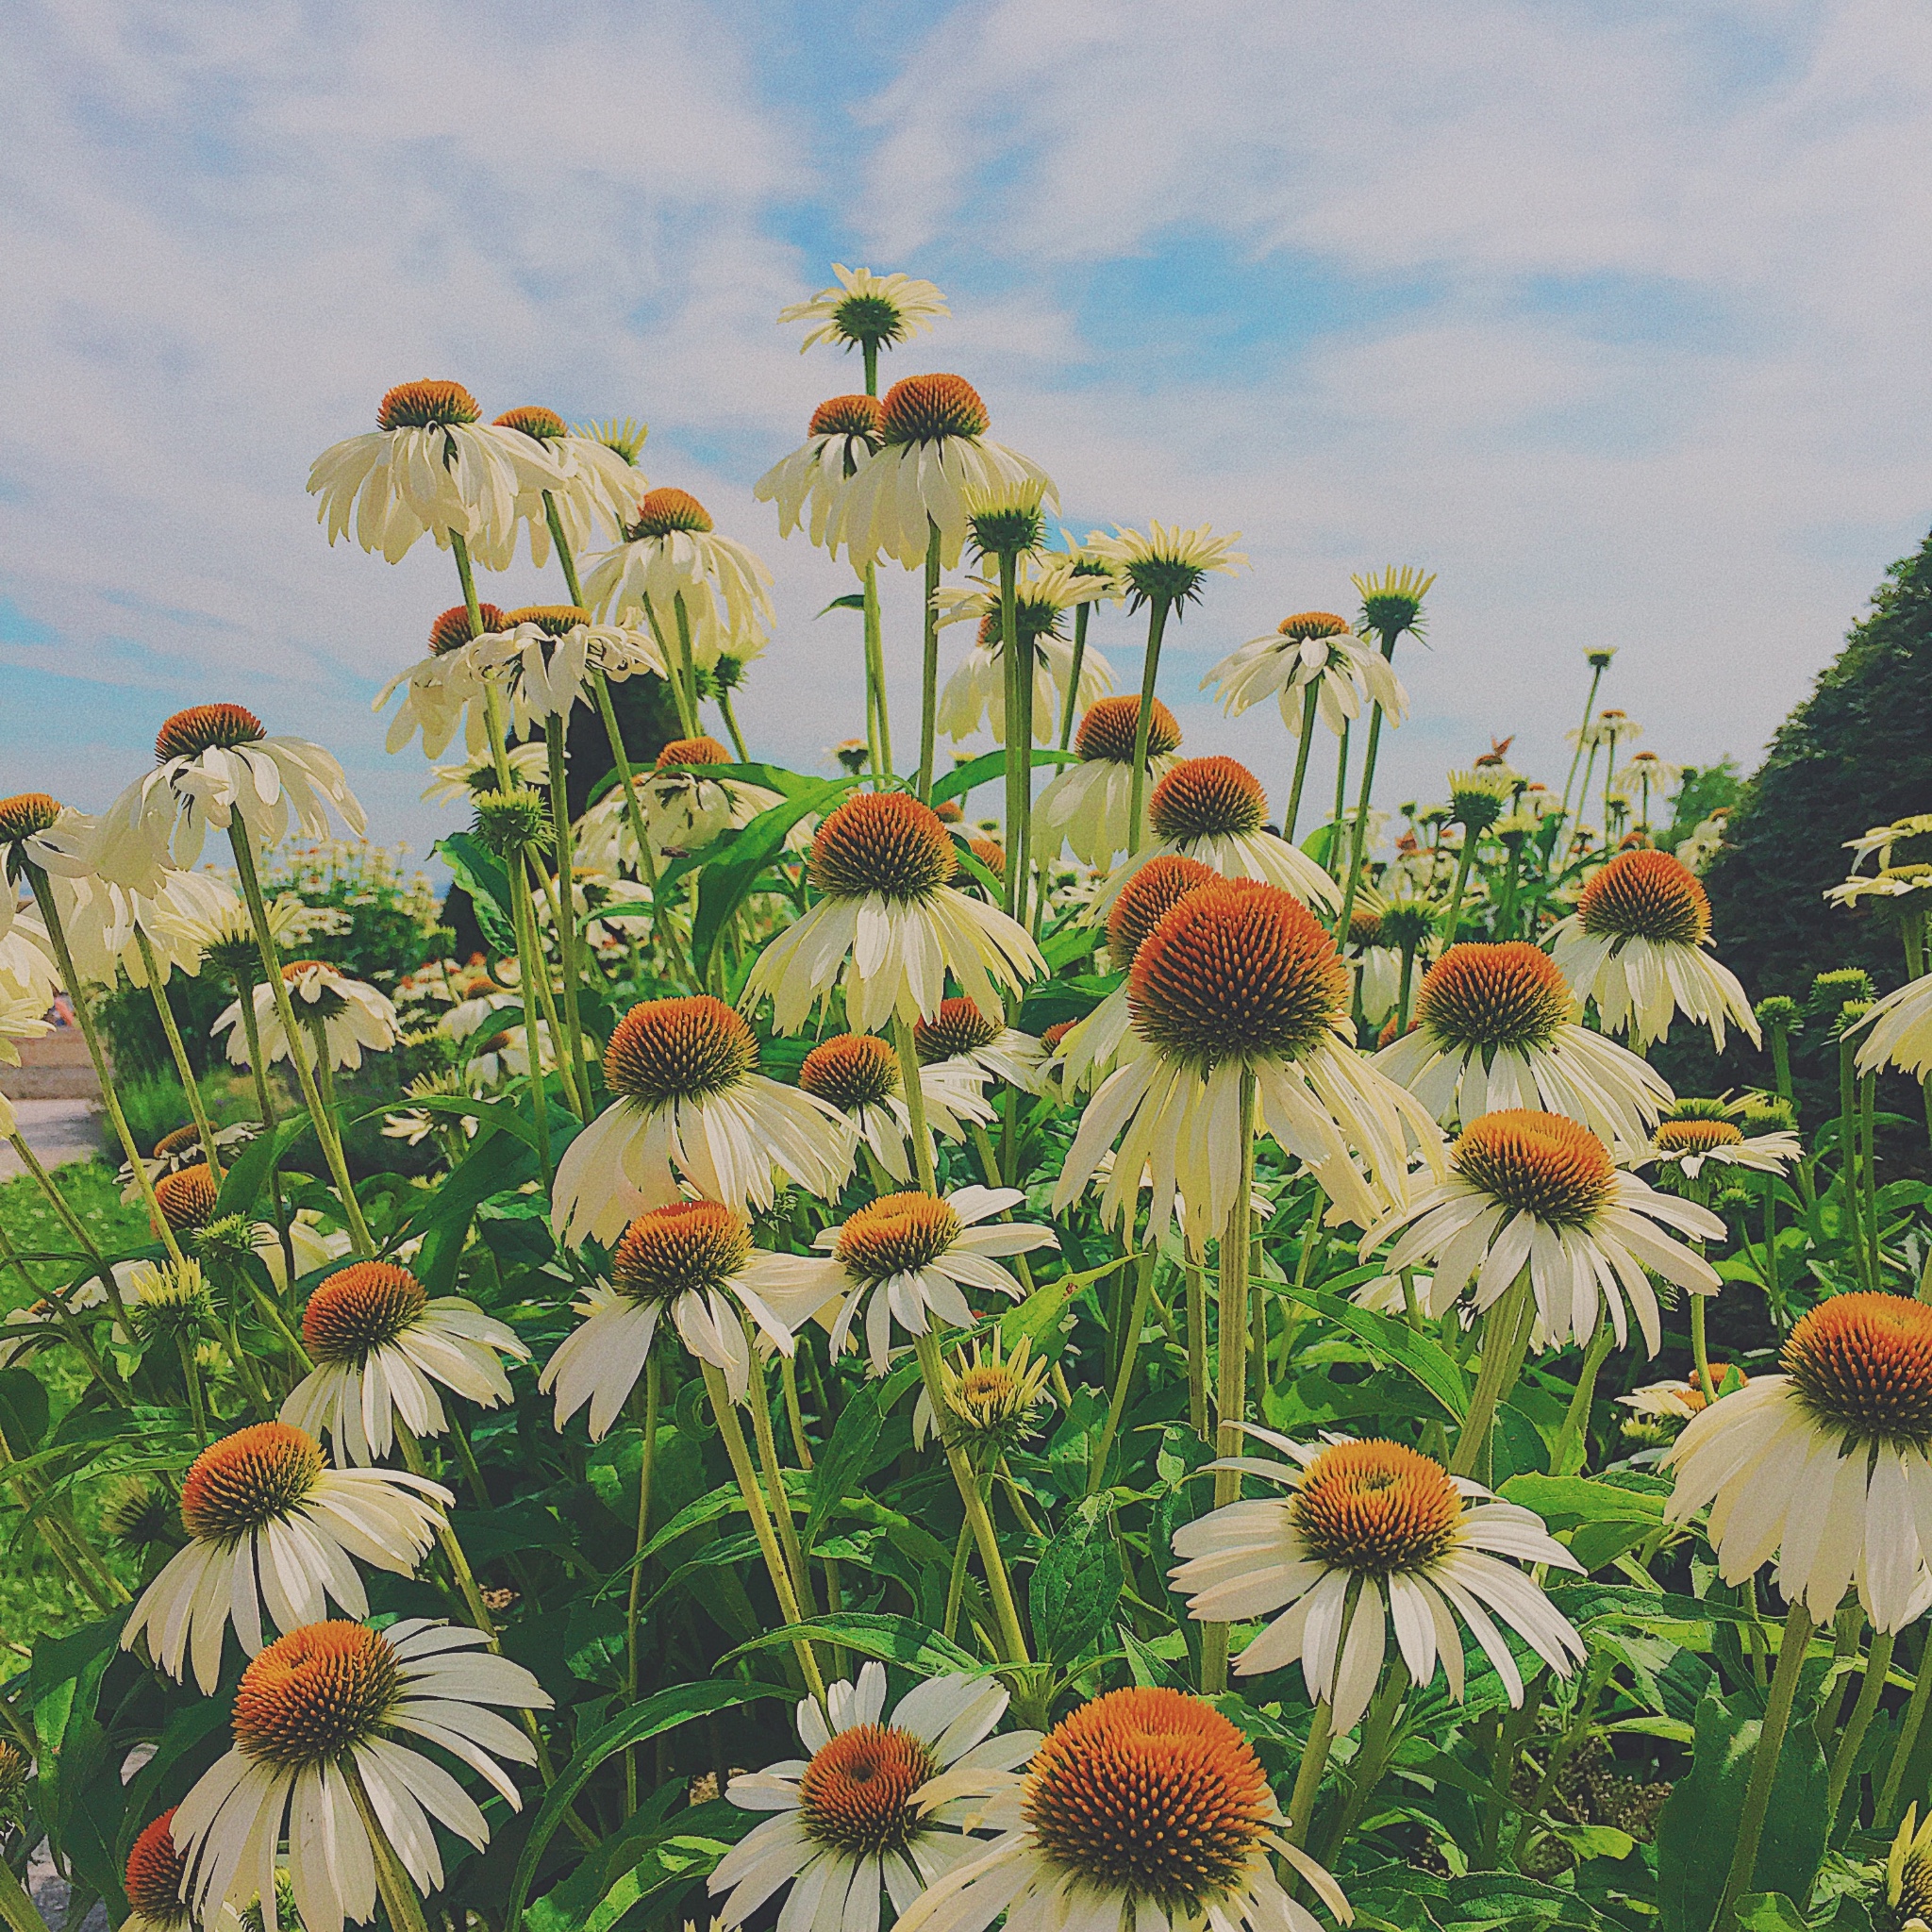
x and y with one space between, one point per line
684 810
545 655
332 1699
1237 981
1825 1465
859 1074
1903 841
907 1259
311 1245
1496 1028
104 923
274 1527
1214 810
443 695
1087 805
691 1104
849 1831
431 464
213 762
861 309
1898 1030
37 830
179 1148
1675 1402
934 456
1647 777
670 551
890 924
1689 1144
27 1329
1168 564
152 1882
505 1055
457 784
597 488
27 972
351 1014
1606 727
1313 657
1636 944
694 1263
959 1037
19 1018
1046 588
1539 1190
1146 1810
1416 1546
380 1348
843 436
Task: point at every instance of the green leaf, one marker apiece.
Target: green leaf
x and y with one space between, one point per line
1396 1343
247 1175
892 1639
23 1410
855 601
1768 1911
1075 1588
655 1715
492 1166
987 767
847 1460
667 1863
731 875
510 1117
481 875
1563 1501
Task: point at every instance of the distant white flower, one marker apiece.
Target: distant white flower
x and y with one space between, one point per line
1898 1030
1088 805
1168 564
843 436
859 1074
1312 658
593 494
1046 589
37 830
862 307
1689 1145
545 655
961 1038
351 1013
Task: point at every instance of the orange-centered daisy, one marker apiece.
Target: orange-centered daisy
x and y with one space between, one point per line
844 434
859 1075
1313 657
152 1878
1089 803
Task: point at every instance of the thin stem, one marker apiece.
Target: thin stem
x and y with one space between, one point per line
1197 1347
929 667
875 671
1877 1663
1462 864
1848 1155
1596 678
1868 1149
1291 818
774 1480
1361 809
1339 821
1908 1729
1018 747
71 1221
190 1381
915 1104
405 1909
1505 1338
633 1606
687 665
572 1052
1370 1759
1130 1351
1771 1737
956 1582
204 1127
1403 992
634 814
1150 672
1573 1443
1082 613
1699 1347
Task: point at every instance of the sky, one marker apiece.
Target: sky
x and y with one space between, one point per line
1611 317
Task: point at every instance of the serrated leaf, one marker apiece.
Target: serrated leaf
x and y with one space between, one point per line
891 1639
1075 1587
1396 1343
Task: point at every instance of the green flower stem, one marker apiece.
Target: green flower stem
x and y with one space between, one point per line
242 840
633 1607
1023 865
1402 996
1013 732
1910 1727
1699 1347
1130 1351
265 1108
1197 1348
1582 1711
869 348
915 1106
1868 1127
70 1327
875 675
1359 841
1334 851
1291 818
1307 1778
687 665
571 1054
1771 1737
663 936
1504 1341
72 1222
1231 1384
466 575
1574 1441
929 667
1848 1156
191 1382
1511 1735
1877 1663
1082 613
779 1502
1370 1762
956 1582
1462 865
204 1127
725 1412
399 1899
17 1907
721 696
1158 608
1009 1636
1596 678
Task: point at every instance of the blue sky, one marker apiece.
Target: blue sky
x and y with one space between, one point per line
1614 317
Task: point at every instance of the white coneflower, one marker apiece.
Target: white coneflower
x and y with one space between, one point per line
1313 657
861 309
1496 1028
890 924
1214 810
692 1263
181 1147
934 454
690 1104
331 1703
1169 562
859 1075
547 654
1825 1465
1700 1134
444 693
152 1881
213 762
19 1018
685 807
1413 1545
1637 945
432 464
963 1039
351 1015
457 784
273 1528
597 488
843 436
27 971
1898 1030
849 1831
38 830
1146 1810
1087 806
906 1258
1539 1192
1045 590
380 1348
1237 981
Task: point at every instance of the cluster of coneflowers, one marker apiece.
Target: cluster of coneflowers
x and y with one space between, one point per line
1476 1113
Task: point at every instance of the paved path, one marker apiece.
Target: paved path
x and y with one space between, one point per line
57 1130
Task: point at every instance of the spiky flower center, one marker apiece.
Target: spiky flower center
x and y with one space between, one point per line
849 416
451 632
552 620
1488 998
664 510
534 420
1207 798
1364 926
313 1693
156 1866
958 1027
202 728
1377 1507
678 1049
26 813
1107 731
692 1246
682 752
1540 1163
178 1140
360 1309
1055 1033
856 1792
1236 970
869 319
1908 1896
897 1234
850 1071
883 843
1305 625
187 1197
1148 897
1696 1136
1646 895
422 405
925 409
1862 1363
248 1479
991 854
1148 1791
